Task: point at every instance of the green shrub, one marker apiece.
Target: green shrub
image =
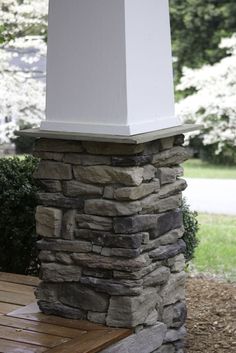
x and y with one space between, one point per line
191 228
18 252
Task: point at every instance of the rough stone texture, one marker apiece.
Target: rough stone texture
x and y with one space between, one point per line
109 175
104 148
53 170
174 156
174 290
68 224
86 160
166 175
99 318
108 239
48 222
79 296
85 221
109 263
58 273
174 316
53 186
111 208
57 146
166 348
144 342
75 188
112 251
131 311
136 193
59 200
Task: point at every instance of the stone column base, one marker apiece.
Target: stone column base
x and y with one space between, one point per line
111 247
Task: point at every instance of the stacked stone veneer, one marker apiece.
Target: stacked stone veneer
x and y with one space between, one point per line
111 228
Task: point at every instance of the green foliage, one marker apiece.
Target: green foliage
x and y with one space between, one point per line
191 228
197 29
17 207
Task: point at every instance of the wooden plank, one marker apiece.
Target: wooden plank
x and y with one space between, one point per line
6 308
16 288
35 326
92 342
7 346
25 336
14 278
32 312
16 298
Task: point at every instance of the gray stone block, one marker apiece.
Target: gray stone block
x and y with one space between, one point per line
58 309
107 263
166 175
153 203
149 172
114 287
131 161
174 316
53 156
167 143
78 296
146 341
175 335
171 157
51 272
108 148
86 159
51 185
53 145
48 222
131 311
98 318
136 193
109 175
68 225
111 208
167 251
53 171
98 223
166 348
65 246
172 189
158 277
107 239
59 200
75 188
174 290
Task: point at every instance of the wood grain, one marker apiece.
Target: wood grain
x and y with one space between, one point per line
7 346
20 279
92 342
36 326
25 336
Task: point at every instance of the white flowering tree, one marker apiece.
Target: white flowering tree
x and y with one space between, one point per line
23 28
213 103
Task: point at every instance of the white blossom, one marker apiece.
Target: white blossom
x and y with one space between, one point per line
22 82
213 103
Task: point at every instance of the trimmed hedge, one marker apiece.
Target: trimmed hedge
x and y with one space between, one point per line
18 253
191 227
17 224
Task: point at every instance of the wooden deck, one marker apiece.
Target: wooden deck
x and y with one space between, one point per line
24 329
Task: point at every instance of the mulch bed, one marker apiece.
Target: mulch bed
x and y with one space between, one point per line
211 320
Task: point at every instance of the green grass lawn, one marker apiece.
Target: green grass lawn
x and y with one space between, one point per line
195 168
216 252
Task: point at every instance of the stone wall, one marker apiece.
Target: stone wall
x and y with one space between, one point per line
111 230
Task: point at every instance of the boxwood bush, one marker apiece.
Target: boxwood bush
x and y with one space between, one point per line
18 253
191 227
17 207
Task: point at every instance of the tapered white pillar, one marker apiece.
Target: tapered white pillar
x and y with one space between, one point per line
109 67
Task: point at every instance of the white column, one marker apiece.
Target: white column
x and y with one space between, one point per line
109 67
